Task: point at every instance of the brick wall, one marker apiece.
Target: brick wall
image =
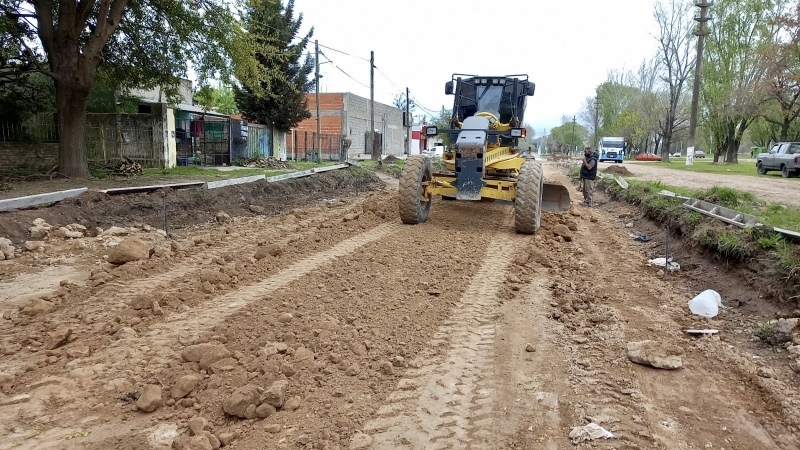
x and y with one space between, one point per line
35 157
348 115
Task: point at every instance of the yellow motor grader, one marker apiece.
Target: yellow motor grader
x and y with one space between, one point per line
483 161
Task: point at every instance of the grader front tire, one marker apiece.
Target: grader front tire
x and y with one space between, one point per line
410 195
527 205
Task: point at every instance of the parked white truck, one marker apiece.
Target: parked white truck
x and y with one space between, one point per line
611 149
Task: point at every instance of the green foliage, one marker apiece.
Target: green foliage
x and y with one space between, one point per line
274 87
766 331
442 122
103 99
789 258
768 242
734 67
568 136
25 95
732 247
399 102
693 218
222 99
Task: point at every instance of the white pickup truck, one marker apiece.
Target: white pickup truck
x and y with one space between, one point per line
784 156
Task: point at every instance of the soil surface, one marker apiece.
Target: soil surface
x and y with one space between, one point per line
771 187
332 325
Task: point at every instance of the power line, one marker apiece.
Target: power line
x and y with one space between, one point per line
341 70
343 52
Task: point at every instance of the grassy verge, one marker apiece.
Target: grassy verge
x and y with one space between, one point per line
726 242
708 166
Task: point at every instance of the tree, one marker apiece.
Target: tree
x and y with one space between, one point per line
783 86
735 68
399 102
221 99
277 96
565 139
675 62
132 43
442 122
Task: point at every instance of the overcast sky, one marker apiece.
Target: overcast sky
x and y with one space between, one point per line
566 47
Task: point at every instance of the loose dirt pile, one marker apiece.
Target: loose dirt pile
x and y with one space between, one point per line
269 162
391 159
617 170
189 207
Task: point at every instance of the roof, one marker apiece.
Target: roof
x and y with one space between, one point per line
198 110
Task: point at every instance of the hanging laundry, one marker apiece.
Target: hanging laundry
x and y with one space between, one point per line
197 128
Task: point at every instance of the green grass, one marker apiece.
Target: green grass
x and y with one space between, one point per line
707 165
206 172
728 243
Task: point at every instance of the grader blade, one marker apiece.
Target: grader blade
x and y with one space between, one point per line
555 197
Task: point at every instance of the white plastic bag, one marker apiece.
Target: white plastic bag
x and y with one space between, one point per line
706 304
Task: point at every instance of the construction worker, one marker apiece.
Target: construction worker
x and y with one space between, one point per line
588 174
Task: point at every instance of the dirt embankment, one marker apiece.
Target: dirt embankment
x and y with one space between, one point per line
187 207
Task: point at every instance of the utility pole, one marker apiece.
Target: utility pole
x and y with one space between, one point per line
701 33
573 135
409 122
318 144
596 120
376 152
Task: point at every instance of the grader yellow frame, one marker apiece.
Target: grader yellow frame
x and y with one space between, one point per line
483 162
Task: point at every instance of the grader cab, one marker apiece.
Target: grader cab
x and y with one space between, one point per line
483 161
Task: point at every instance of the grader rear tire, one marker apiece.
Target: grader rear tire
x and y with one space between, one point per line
413 209
527 205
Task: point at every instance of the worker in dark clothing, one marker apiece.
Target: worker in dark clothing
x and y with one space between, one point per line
588 174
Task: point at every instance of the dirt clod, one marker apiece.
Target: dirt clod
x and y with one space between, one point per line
184 385
240 400
150 400
129 250
58 338
530 348
562 231
661 356
197 425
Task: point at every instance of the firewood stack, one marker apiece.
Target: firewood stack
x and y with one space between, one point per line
122 166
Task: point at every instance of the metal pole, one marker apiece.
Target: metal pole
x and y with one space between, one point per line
701 33
376 155
666 255
573 134
164 207
316 87
408 128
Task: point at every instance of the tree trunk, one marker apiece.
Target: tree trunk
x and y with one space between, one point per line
733 152
666 142
785 129
71 105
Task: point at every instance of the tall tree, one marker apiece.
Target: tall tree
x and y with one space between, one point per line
399 102
442 122
675 62
735 67
277 96
783 85
220 99
144 43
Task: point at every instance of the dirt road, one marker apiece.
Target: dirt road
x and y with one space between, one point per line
335 326
772 187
